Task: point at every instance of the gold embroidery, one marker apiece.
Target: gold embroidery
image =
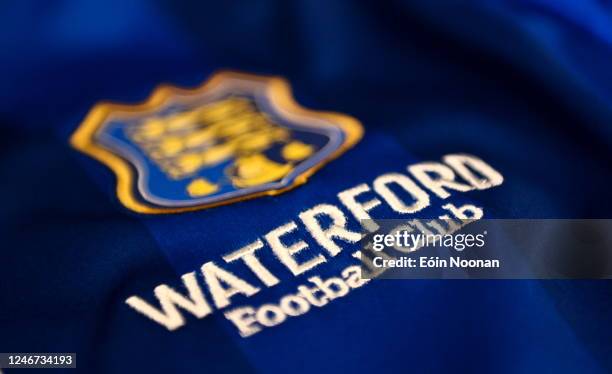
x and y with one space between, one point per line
181 144
257 169
201 187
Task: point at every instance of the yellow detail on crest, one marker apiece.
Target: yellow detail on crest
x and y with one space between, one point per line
201 187
297 151
257 169
183 143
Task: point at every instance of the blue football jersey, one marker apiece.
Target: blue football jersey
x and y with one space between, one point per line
185 183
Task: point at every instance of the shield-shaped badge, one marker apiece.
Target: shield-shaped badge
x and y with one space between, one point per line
237 136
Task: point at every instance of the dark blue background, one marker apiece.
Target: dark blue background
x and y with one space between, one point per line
525 85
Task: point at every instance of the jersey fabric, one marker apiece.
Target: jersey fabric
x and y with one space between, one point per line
525 86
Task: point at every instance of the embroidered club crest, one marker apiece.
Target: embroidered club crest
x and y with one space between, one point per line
237 136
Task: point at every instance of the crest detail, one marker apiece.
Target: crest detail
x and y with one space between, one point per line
237 136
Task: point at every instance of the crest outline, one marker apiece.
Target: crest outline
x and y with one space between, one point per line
277 91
